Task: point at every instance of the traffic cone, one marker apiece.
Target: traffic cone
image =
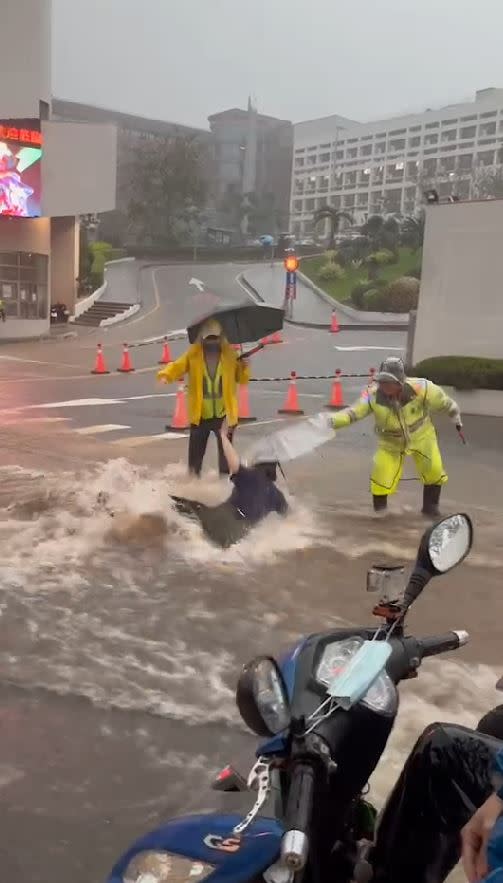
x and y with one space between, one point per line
276 338
291 405
100 366
180 421
266 340
244 405
166 353
334 325
336 397
127 365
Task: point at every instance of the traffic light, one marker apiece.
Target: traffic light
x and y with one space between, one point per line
291 263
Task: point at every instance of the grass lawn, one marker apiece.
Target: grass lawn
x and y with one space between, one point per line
340 289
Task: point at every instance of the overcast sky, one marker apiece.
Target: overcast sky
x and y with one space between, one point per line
181 60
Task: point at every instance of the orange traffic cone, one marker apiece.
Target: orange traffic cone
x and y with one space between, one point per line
244 405
336 397
276 338
334 325
100 366
266 340
180 421
291 405
166 354
127 365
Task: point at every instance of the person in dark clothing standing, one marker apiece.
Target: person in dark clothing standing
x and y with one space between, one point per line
214 371
253 497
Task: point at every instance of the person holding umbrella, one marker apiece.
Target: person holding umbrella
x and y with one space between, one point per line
213 371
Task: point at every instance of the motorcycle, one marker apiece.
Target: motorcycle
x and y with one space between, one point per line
326 712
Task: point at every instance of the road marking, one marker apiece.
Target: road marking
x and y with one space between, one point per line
104 427
37 362
19 419
155 395
137 440
197 282
78 403
361 349
281 392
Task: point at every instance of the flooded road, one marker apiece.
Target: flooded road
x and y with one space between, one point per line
120 646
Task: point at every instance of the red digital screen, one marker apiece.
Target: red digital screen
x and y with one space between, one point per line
20 168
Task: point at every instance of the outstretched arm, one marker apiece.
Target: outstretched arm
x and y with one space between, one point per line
230 453
357 411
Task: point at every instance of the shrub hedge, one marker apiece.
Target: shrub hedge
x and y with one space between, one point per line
462 372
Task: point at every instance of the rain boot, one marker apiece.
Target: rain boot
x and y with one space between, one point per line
380 502
431 497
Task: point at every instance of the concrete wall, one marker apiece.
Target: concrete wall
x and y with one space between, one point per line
64 261
460 309
25 57
79 168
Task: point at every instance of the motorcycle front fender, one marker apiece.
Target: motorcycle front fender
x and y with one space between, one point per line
208 838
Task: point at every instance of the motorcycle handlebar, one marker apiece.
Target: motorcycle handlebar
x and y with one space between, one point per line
435 644
300 798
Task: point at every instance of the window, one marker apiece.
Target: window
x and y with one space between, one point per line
300 150
412 170
367 138
415 128
350 179
339 154
324 146
486 116
432 125
352 140
430 166
397 132
310 204
465 161
352 152
468 132
324 157
381 147
431 139
397 144
486 129
449 122
312 148
448 164
23 284
311 160
468 119
299 162
450 135
486 158
336 201
323 181
415 142
366 150
297 205
349 201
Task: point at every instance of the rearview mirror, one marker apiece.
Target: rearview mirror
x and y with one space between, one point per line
442 547
449 542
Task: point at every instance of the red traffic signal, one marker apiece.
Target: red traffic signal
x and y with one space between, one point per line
291 263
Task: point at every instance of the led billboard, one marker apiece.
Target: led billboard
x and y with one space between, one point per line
20 168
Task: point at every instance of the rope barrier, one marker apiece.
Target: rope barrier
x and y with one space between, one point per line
307 377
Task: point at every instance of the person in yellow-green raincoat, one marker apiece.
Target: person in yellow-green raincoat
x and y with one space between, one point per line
402 408
214 372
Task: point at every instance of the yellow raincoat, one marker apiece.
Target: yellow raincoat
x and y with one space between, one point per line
404 428
192 363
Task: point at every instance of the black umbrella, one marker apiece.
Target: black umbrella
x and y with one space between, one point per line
241 323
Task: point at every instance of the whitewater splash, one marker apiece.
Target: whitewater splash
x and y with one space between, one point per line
141 612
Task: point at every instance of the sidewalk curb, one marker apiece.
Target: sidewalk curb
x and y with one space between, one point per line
401 321
347 326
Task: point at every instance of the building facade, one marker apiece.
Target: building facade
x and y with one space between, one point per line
385 166
252 154
50 173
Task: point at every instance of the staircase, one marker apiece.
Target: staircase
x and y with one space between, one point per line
101 309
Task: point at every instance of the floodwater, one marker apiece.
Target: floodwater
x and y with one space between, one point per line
122 638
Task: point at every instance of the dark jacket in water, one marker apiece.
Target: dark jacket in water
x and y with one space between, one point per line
253 497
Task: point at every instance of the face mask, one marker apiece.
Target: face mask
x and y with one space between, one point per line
211 346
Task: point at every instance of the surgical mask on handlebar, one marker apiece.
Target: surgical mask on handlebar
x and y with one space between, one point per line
364 667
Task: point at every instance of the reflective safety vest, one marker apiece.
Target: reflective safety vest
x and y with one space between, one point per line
213 401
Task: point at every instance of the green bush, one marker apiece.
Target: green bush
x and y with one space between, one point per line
330 256
401 295
360 290
463 372
382 257
98 270
375 300
329 272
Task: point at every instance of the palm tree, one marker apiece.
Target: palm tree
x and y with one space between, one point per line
412 232
335 217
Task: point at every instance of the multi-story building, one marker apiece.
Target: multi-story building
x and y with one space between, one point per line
385 166
252 154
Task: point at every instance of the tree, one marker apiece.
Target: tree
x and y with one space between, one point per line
166 174
382 232
412 232
488 182
335 217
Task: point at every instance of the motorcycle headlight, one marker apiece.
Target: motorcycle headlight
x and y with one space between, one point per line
382 696
164 867
261 697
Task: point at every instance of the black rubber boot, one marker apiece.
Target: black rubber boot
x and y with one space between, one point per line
431 497
380 502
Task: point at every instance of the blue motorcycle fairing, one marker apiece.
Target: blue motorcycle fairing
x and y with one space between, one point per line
288 664
259 847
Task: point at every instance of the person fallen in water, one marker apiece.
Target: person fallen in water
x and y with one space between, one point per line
254 497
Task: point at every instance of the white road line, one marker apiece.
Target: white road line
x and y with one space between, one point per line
97 430
137 440
280 392
362 349
37 362
78 403
155 395
19 420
